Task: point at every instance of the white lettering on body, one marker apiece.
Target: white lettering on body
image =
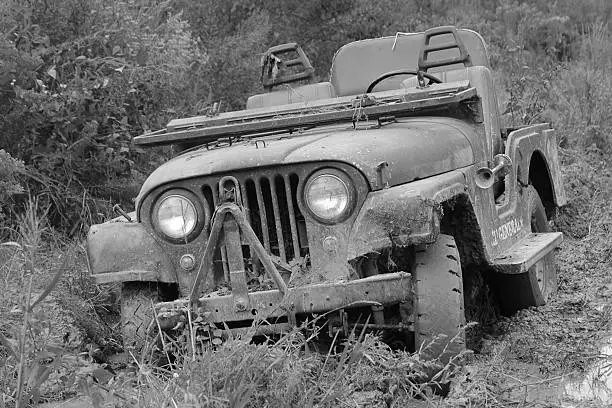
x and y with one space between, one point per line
506 230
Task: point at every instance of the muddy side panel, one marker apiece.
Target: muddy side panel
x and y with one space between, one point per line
403 215
504 221
122 251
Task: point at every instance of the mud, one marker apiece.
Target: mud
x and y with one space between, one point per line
596 384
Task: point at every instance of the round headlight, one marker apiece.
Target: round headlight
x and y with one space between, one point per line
327 196
176 216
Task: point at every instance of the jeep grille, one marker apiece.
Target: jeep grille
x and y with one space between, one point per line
270 201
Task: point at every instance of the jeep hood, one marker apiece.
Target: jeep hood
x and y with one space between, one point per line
413 148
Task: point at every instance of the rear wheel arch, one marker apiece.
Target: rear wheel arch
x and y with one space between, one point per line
539 177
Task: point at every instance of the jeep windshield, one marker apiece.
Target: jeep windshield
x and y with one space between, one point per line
376 80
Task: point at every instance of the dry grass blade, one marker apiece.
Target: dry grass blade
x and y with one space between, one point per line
22 347
7 345
160 332
51 285
11 244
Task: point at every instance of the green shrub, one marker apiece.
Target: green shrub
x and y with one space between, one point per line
10 170
76 97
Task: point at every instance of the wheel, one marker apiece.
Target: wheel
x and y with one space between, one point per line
536 286
390 74
137 313
439 299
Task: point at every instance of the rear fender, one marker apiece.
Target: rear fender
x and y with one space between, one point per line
539 142
125 251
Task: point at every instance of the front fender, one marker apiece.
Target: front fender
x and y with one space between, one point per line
403 215
125 251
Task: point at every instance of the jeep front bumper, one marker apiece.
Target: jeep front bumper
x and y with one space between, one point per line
380 290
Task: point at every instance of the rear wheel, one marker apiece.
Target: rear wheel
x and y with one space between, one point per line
536 286
439 299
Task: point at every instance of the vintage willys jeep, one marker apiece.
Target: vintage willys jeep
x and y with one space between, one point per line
361 199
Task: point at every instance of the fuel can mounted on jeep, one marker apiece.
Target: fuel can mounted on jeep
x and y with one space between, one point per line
365 199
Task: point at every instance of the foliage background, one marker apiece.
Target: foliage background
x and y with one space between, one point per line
80 78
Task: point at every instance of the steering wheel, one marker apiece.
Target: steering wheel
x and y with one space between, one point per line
390 74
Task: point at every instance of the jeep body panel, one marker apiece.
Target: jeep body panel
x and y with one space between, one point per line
395 216
534 143
405 215
504 223
126 251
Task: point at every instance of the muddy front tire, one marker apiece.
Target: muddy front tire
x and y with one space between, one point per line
536 286
137 313
439 299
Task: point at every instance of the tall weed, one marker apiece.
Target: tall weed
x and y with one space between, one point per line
288 372
579 103
28 356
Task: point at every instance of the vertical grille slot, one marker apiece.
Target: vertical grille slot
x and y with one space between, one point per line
292 219
277 220
263 216
245 201
249 199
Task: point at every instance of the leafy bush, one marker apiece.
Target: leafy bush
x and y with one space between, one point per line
10 169
73 106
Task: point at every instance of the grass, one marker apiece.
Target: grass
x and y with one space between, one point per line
289 373
41 342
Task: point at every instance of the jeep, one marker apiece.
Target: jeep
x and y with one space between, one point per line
362 201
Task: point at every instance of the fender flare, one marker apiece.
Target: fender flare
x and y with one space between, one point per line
534 152
124 252
403 215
